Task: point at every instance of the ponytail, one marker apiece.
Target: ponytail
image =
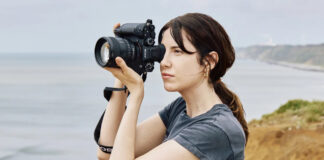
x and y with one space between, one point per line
233 102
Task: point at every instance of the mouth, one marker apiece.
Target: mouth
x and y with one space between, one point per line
166 75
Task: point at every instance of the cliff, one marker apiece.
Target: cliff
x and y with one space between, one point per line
308 57
295 131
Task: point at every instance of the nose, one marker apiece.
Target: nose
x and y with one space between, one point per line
165 63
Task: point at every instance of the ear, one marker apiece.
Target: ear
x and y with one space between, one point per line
214 60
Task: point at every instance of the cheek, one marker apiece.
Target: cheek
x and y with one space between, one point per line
186 77
189 72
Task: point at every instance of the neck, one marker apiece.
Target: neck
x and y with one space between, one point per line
200 99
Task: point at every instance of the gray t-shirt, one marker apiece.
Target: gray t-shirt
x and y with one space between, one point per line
213 135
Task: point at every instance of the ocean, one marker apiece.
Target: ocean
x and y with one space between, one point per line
51 103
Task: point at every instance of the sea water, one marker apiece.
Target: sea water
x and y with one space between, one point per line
50 103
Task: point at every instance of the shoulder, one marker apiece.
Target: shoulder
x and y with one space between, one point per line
219 135
226 121
231 127
174 104
170 112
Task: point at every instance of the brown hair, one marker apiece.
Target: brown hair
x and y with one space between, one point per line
207 35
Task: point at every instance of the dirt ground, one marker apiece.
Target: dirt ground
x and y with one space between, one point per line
282 142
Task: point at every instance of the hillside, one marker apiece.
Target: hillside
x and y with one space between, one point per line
309 57
295 131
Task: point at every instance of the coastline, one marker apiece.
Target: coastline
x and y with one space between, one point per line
293 65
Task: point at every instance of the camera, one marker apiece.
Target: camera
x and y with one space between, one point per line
134 42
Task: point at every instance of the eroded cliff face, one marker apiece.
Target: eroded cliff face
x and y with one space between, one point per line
293 132
277 142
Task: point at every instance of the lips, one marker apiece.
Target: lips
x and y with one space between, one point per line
166 74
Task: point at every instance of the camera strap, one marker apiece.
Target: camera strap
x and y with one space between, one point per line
108 90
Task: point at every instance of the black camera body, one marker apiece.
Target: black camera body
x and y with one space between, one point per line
134 42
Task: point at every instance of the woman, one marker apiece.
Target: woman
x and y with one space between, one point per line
206 122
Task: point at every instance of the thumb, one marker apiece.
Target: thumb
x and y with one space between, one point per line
121 63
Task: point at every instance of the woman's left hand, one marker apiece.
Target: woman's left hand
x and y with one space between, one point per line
127 76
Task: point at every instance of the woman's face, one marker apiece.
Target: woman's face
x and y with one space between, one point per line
186 71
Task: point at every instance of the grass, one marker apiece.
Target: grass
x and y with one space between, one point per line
296 111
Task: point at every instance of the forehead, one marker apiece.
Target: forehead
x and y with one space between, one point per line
168 41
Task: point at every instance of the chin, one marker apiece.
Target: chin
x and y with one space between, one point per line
170 88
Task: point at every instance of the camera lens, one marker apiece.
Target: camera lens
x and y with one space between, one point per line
104 52
108 48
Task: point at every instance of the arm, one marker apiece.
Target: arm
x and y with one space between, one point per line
170 150
149 133
112 117
124 146
125 139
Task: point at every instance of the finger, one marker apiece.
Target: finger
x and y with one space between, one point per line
116 26
117 72
122 64
112 70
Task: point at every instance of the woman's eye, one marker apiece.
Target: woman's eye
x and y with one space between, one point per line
177 51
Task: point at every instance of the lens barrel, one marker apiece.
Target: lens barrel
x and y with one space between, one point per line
108 48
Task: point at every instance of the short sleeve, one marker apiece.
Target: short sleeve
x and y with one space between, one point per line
206 141
168 112
165 114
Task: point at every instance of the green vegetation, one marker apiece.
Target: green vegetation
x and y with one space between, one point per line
298 112
293 105
300 54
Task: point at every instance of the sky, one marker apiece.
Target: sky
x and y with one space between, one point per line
73 26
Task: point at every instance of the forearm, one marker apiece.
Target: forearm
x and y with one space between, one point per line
113 115
124 147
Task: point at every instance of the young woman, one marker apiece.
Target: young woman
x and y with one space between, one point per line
206 122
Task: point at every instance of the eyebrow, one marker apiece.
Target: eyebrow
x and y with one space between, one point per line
174 47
